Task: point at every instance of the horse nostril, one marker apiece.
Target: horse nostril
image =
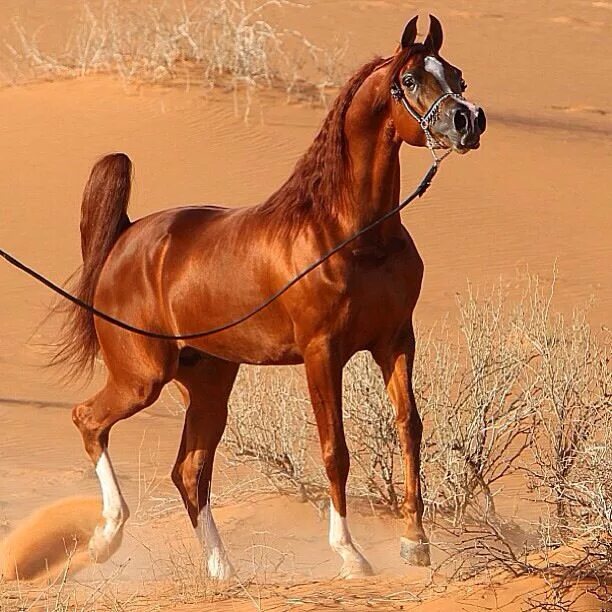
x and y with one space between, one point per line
481 120
460 120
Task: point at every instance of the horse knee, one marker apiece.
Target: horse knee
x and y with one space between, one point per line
412 506
411 424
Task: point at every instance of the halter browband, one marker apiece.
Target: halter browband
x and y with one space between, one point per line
429 118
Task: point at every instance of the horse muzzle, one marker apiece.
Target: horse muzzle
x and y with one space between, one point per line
468 123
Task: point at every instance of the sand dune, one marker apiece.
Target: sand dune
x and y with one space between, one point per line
536 195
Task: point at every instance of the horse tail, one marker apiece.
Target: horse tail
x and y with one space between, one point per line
103 219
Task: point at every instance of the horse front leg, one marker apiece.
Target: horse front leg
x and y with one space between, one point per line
396 366
324 374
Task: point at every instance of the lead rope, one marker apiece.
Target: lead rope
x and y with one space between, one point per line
420 190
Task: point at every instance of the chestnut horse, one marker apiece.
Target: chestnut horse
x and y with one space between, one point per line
196 267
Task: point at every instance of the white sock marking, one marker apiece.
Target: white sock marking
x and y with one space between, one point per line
113 505
339 534
341 541
218 564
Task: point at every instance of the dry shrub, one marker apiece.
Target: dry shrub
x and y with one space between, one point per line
519 391
372 436
268 425
478 419
570 463
565 388
213 42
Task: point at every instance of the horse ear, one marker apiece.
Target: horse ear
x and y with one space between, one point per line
436 36
410 32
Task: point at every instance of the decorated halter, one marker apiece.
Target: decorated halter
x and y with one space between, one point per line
428 119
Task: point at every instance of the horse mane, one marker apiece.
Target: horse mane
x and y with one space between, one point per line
321 174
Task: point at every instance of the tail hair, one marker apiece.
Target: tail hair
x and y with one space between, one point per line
103 219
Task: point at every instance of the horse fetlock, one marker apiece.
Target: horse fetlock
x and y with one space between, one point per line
354 565
105 541
116 516
341 545
218 564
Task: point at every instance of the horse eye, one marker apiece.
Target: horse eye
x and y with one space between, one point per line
409 82
463 85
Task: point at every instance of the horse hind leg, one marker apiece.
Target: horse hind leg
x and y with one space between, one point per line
94 419
208 384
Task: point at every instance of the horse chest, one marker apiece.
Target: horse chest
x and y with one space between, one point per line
380 292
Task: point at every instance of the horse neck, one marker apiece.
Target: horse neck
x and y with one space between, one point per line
374 153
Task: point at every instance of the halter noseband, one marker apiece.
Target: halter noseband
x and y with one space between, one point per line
428 119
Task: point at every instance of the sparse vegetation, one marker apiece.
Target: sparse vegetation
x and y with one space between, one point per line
268 425
227 43
516 398
520 395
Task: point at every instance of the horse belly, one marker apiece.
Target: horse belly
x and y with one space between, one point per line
264 346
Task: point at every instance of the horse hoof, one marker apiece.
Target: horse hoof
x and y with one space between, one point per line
415 553
356 568
99 548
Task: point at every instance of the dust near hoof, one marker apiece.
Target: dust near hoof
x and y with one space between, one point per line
51 539
355 570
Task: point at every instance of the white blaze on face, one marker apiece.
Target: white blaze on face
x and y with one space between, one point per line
435 67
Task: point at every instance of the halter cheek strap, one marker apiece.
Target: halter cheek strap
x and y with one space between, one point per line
428 119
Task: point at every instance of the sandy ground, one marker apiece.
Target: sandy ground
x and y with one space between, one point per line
536 195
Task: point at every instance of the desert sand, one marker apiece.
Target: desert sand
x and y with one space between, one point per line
536 195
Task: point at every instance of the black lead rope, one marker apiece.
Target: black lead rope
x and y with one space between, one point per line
417 193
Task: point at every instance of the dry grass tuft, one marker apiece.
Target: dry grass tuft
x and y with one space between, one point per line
227 43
